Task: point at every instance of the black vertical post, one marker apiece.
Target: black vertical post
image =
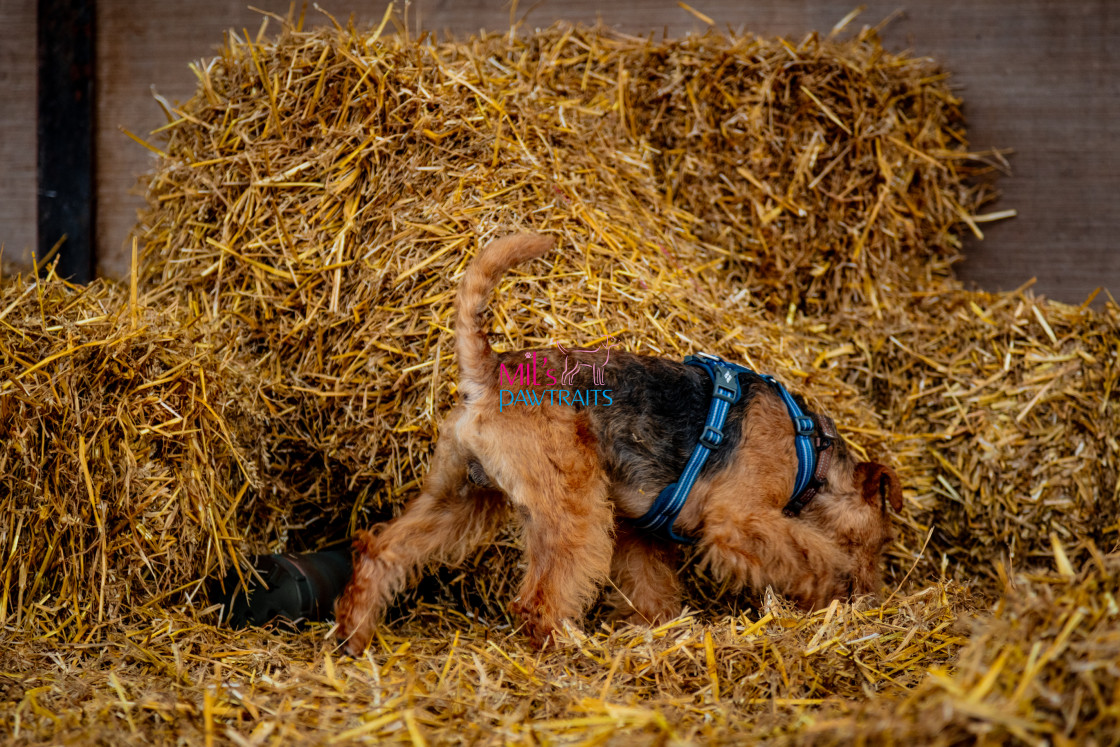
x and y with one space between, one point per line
65 131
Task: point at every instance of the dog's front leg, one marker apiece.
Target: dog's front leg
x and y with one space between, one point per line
646 589
761 549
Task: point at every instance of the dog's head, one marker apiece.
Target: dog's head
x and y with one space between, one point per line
853 505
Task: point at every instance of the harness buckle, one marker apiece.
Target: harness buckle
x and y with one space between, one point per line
730 396
711 437
804 425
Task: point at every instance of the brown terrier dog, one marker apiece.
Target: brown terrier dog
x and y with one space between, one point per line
572 468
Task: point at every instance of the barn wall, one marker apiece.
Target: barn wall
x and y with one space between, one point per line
1040 77
17 130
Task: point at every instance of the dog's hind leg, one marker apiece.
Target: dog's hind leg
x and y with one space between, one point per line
567 522
568 559
449 518
643 571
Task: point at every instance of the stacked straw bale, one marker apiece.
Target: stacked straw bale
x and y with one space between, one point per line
321 194
793 206
836 174
1004 409
126 467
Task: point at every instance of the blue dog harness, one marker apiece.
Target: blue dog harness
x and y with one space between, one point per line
812 442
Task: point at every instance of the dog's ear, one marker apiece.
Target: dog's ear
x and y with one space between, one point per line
878 485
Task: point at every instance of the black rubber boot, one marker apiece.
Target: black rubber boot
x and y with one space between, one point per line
298 588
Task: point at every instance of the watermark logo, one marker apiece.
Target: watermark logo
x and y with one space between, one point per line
536 373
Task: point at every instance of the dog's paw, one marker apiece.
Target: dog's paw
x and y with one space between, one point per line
538 627
353 615
818 591
351 638
353 644
836 587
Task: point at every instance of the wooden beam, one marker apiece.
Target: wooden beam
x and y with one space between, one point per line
66 135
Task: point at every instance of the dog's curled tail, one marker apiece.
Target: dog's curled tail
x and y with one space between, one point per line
477 363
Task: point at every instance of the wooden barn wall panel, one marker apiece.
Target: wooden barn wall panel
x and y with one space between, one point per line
17 130
1038 76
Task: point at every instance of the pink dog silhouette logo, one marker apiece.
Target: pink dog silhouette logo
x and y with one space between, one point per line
526 375
597 375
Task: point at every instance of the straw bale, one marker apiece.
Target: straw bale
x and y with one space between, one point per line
836 173
122 455
1002 406
318 198
329 248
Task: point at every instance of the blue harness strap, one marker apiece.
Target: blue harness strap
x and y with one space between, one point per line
804 429
661 516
